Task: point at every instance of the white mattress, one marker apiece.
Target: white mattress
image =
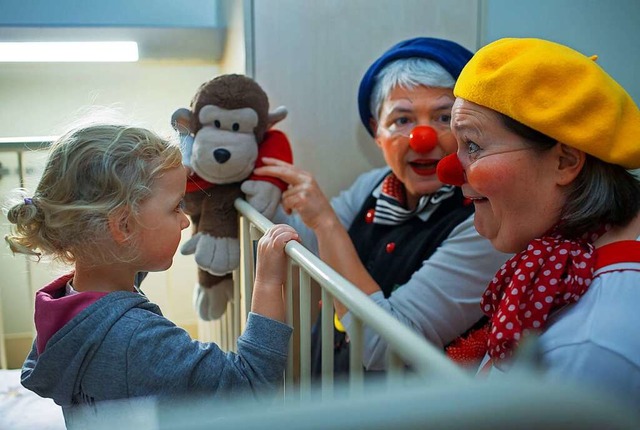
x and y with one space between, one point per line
21 409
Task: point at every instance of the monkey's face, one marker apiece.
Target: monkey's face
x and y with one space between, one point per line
225 148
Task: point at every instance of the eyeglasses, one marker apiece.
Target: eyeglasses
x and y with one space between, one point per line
468 158
451 169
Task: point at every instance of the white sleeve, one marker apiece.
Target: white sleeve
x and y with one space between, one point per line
442 299
597 367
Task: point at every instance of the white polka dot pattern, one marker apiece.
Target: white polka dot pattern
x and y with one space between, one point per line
550 273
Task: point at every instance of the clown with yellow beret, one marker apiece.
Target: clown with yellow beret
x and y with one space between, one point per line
546 139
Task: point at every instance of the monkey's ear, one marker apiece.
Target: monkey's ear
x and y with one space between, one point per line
276 115
181 121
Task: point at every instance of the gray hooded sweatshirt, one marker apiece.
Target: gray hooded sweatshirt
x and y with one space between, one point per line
92 347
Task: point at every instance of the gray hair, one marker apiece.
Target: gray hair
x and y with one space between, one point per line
603 193
407 73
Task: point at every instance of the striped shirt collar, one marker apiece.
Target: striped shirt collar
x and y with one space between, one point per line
390 202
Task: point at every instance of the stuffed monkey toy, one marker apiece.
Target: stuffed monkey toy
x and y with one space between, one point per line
225 134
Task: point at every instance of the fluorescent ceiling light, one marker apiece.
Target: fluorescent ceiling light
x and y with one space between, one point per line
68 51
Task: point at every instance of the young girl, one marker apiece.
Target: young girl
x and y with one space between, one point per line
109 202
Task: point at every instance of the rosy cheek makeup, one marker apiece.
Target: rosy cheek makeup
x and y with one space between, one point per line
483 175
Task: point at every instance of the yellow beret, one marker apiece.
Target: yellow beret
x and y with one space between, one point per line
556 91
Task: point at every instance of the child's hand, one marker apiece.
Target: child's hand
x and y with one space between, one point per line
271 271
272 261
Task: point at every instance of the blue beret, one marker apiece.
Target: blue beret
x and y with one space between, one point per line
451 56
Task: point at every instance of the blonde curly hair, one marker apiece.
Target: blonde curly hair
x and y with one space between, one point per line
91 172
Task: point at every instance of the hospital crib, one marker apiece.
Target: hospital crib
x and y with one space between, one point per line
406 348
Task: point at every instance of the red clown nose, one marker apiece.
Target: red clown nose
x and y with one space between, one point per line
450 170
423 139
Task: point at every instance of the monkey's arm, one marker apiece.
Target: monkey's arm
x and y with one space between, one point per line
275 145
264 192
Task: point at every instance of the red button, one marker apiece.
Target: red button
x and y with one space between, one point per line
391 246
368 218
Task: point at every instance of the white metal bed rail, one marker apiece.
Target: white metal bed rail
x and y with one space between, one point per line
521 401
406 347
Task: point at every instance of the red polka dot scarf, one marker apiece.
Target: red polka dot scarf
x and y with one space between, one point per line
552 272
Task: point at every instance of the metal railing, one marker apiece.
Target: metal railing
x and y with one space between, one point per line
522 401
406 348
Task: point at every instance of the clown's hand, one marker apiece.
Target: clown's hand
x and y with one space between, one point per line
263 196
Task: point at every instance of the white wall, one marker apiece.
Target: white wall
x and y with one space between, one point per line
311 55
41 99
610 29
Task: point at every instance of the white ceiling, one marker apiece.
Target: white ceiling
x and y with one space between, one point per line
168 43
164 29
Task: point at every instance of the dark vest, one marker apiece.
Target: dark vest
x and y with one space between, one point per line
391 255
